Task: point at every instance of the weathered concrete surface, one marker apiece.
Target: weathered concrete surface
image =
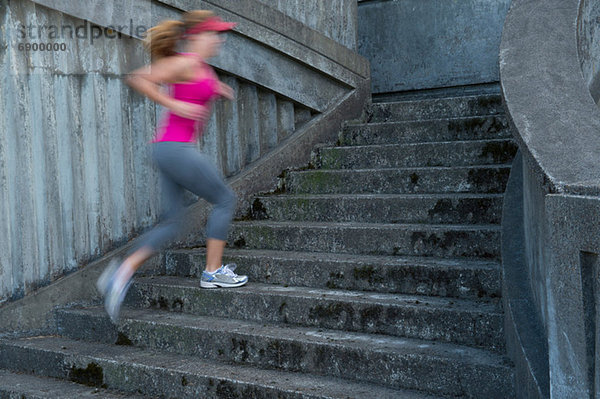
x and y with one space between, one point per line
468 128
435 319
369 239
455 278
133 370
382 208
526 338
550 48
24 386
589 45
416 44
434 368
539 55
455 153
472 179
319 15
456 107
573 294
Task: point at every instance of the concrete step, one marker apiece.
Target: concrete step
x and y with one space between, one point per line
455 278
475 241
399 363
449 153
431 180
167 375
472 323
469 128
25 386
381 208
449 107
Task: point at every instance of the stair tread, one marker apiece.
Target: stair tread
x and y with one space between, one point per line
35 387
383 260
173 363
408 169
415 301
419 144
425 121
437 98
378 226
312 336
362 196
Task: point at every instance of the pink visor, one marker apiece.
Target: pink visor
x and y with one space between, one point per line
210 24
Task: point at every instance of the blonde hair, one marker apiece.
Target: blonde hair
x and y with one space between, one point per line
161 39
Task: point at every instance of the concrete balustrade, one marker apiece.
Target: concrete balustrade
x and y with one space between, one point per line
551 235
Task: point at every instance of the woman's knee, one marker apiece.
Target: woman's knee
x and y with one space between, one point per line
229 199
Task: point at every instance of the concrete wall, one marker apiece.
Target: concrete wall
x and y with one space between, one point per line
423 44
336 19
552 294
76 180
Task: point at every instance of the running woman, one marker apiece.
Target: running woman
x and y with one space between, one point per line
193 87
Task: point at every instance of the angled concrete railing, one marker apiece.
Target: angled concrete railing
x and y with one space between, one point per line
551 224
77 182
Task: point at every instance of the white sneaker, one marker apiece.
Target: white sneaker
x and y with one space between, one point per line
104 279
114 299
222 277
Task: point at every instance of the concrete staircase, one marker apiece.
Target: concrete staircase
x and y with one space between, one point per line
374 274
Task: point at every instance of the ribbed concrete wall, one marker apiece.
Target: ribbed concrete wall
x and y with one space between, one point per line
76 179
336 19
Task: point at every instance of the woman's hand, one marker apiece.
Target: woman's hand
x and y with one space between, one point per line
189 110
226 91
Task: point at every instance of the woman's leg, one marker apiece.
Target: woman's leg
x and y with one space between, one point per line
196 173
115 280
214 254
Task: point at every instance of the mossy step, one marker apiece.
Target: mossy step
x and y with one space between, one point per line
455 278
399 363
25 386
474 241
466 322
446 107
381 208
453 129
157 374
429 180
449 153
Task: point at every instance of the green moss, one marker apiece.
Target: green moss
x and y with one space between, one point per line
414 178
500 152
258 210
240 242
367 273
442 208
488 101
92 375
122 339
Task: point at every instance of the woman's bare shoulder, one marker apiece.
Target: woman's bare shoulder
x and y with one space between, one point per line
173 68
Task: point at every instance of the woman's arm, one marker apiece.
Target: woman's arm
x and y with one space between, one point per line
225 90
147 80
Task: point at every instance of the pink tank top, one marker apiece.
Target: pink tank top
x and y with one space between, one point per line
173 127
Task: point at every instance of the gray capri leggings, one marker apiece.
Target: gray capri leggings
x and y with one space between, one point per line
182 167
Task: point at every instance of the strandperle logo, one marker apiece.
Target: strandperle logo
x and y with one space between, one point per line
86 30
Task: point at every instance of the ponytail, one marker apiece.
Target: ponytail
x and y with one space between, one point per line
161 39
